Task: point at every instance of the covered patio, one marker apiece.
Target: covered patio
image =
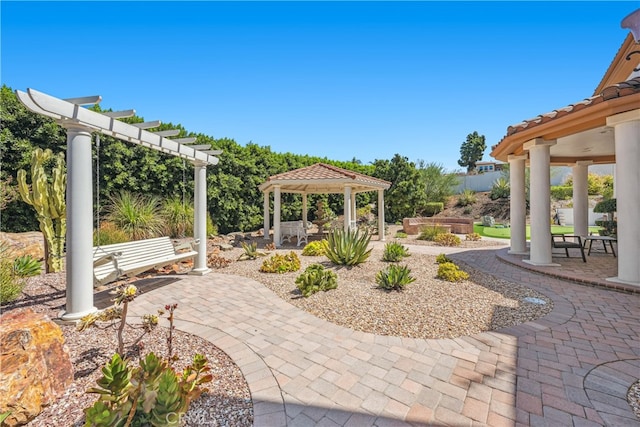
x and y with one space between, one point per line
601 129
320 178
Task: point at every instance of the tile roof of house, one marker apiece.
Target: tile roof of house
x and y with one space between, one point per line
618 90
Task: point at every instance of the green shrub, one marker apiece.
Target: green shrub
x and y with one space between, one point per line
394 277
467 210
347 247
394 252
281 263
467 197
315 279
473 237
10 285
109 234
500 189
12 275
606 206
442 258
138 215
26 266
430 232
178 217
314 248
447 239
150 394
451 273
250 251
401 235
561 192
432 208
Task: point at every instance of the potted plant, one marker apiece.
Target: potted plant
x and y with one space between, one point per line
609 225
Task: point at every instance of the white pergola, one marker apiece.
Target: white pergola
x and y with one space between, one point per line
321 178
80 122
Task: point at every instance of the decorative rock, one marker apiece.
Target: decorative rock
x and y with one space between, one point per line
225 247
488 221
35 366
29 243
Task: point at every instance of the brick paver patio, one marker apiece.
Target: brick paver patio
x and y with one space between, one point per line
572 367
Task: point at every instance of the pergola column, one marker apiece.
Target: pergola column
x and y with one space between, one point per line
265 210
627 141
79 257
347 207
518 204
381 234
540 193
580 172
200 218
276 216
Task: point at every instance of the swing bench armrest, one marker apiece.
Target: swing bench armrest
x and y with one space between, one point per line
110 257
190 245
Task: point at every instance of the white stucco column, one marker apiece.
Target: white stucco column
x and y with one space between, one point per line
79 256
304 210
347 207
580 172
265 212
381 234
276 216
200 218
627 140
518 204
540 203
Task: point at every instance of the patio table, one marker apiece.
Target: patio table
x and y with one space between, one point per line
604 240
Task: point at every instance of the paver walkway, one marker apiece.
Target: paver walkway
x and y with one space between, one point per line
572 367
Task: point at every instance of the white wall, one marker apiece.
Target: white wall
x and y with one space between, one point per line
566 216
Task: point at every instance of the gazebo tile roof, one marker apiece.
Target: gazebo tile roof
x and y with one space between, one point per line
323 171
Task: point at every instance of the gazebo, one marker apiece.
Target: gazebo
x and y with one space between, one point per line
601 129
321 178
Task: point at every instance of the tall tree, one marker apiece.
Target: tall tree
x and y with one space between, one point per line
439 184
405 195
471 151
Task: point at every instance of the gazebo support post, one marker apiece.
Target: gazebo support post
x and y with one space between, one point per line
353 209
276 216
265 209
518 205
79 262
347 207
381 234
200 218
540 253
580 172
627 144
304 210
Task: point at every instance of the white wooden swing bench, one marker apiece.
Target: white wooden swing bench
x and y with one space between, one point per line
289 229
111 262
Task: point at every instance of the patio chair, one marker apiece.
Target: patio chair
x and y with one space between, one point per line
575 242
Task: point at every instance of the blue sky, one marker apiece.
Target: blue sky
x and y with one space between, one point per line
344 80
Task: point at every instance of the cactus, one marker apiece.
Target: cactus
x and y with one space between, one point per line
46 194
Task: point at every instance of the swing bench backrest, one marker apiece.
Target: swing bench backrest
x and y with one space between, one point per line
111 262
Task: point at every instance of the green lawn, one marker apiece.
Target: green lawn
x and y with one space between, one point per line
505 233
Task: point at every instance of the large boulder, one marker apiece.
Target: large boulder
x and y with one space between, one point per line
29 243
35 366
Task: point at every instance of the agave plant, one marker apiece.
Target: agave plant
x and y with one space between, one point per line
394 252
394 277
250 251
347 247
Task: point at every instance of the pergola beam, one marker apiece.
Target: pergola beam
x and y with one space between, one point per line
67 113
